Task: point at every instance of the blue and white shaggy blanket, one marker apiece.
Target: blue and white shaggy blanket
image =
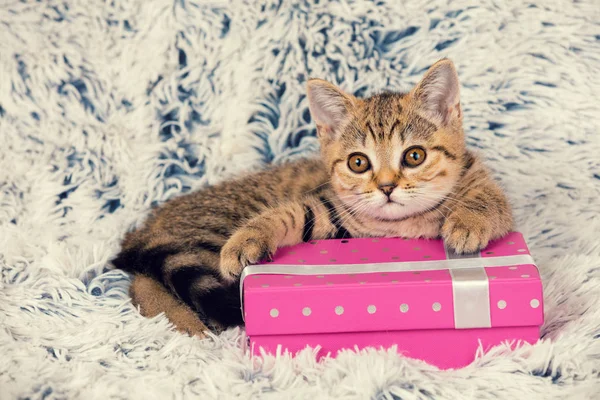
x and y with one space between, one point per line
110 107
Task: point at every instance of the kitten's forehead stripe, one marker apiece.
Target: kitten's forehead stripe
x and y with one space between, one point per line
394 126
379 117
406 129
370 130
381 132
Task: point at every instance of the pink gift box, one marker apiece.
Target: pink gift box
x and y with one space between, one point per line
412 293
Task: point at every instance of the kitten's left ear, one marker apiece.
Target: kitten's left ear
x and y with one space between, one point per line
329 107
438 93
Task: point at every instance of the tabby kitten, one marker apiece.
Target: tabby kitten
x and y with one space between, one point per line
391 165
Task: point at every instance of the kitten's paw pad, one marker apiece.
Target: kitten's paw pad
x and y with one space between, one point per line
465 235
242 249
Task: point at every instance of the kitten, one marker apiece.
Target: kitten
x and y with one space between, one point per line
391 165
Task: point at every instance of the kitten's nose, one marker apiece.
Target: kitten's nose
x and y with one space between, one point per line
387 188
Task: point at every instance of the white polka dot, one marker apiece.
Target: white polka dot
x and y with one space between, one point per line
521 250
362 282
330 283
510 243
513 268
274 313
320 276
371 309
306 311
524 276
339 310
502 304
493 277
297 284
404 307
427 280
436 306
323 252
265 285
535 303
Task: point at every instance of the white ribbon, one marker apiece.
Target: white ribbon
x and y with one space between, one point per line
464 282
471 298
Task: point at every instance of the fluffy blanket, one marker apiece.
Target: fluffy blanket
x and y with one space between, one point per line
110 107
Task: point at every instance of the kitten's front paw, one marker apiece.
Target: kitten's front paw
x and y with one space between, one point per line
466 232
246 246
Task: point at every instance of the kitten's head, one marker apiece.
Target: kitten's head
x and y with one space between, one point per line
392 155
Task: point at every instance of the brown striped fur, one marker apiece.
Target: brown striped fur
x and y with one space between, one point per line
190 252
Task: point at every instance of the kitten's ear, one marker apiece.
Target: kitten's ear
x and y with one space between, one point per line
438 93
329 106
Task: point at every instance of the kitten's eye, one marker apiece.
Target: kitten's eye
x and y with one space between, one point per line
359 163
414 156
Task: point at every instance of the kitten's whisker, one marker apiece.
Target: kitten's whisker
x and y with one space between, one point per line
464 203
328 181
445 195
430 195
441 199
449 212
453 195
431 208
354 211
341 215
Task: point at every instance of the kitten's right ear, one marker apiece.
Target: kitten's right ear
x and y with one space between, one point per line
329 106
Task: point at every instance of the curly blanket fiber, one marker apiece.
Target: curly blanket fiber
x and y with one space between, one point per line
110 107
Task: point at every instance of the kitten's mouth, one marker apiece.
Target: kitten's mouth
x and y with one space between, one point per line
390 201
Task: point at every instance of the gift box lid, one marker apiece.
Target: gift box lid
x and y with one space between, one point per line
361 285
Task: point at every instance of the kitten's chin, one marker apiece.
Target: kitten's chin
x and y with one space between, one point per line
394 210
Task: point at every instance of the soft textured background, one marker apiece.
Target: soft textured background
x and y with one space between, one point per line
109 107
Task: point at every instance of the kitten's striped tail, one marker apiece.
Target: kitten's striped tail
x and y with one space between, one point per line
190 271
